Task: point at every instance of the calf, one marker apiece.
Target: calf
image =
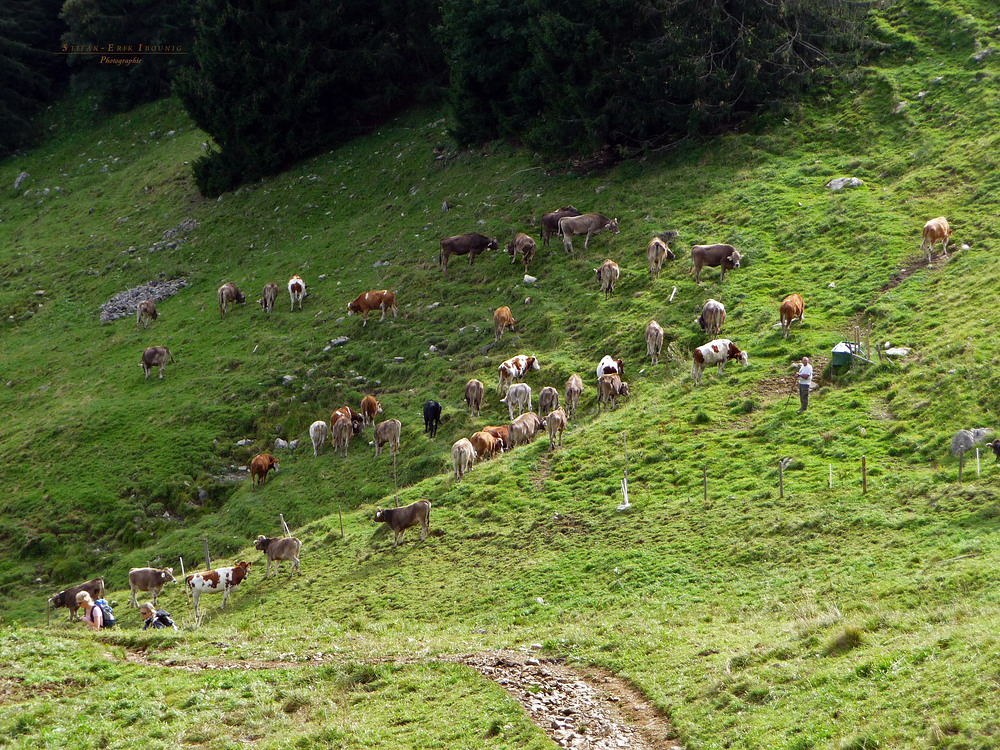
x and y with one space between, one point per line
296 290
936 230
370 407
502 319
149 579
214 581
718 351
607 275
574 387
155 356
609 388
609 366
550 222
357 421
588 224
548 400
995 445
714 256
432 417
555 423
524 245
268 297
145 314
387 432
484 444
654 341
400 519
341 433
259 468
657 251
713 315
471 244
518 395
792 307
474 396
229 294
381 299
500 433
524 428
279 549
67 598
463 456
318 433
515 368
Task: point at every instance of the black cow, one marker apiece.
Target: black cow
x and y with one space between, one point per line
466 244
995 445
550 222
432 417
67 598
400 519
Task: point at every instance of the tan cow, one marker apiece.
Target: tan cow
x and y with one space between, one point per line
318 433
279 549
474 396
145 313
268 297
550 222
657 251
574 387
259 468
524 428
607 275
524 245
370 407
713 315
153 357
548 400
555 423
609 388
519 395
502 319
341 434
714 256
381 299
149 579
792 307
387 432
936 230
400 519
463 456
654 341
588 224
229 294
484 444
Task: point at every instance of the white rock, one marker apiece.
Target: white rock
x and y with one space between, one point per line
980 56
527 300
900 107
322 277
339 341
529 279
292 445
280 444
831 285
20 178
432 348
938 81
398 359
841 182
287 379
965 247
244 441
899 351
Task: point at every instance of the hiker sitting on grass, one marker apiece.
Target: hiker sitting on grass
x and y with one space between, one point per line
92 614
155 618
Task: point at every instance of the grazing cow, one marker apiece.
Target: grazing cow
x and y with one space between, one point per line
502 318
550 222
524 428
155 356
465 244
714 256
484 444
149 579
574 387
548 400
67 598
357 421
369 408
555 423
515 368
588 224
387 432
654 341
279 549
518 395
657 251
609 388
381 299
936 230
432 416
500 433
524 245
229 294
713 315
609 366
474 396
718 351
145 314
792 307
463 456
341 433
214 581
318 433
607 275
260 466
400 519
296 290
268 297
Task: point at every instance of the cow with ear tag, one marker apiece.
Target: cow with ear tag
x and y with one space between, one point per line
400 519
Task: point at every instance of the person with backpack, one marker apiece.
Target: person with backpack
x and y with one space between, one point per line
155 618
92 614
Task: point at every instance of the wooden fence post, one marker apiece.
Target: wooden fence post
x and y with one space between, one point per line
284 525
208 557
341 514
187 594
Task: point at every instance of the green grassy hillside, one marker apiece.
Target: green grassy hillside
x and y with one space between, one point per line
824 618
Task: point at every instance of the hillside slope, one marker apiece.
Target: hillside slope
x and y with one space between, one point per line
824 618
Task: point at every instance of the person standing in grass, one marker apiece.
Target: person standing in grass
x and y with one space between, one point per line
805 375
92 614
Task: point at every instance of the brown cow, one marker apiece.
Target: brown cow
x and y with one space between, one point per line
369 408
357 421
574 387
67 598
502 319
500 433
713 315
609 388
524 428
260 466
229 294
474 396
524 245
149 579
155 356
145 314
657 251
341 434
279 549
654 341
792 307
588 224
470 244
387 432
713 256
607 275
484 444
550 222
555 423
268 297
548 400
381 299
400 519
936 230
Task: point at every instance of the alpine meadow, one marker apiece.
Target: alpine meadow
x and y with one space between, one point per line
759 590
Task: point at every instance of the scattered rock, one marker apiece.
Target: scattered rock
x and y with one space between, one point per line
899 351
446 206
20 178
434 305
980 56
293 444
938 81
322 277
398 359
287 379
339 341
529 279
965 247
900 107
432 348
527 300
380 263
244 441
844 182
280 444
39 292
922 94
125 303
831 285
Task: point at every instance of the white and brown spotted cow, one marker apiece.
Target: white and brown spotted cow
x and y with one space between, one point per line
296 290
381 299
220 580
716 352
515 368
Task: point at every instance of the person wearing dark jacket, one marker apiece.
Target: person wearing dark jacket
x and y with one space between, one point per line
155 618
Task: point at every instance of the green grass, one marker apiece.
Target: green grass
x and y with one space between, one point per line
827 618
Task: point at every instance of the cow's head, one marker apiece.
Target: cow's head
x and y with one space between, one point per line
261 543
612 226
621 368
493 244
167 575
733 261
532 364
240 297
380 516
623 389
700 320
58 600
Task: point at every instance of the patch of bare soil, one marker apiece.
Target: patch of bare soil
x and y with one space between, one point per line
538 477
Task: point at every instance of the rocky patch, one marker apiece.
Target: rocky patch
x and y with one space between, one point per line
126 303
